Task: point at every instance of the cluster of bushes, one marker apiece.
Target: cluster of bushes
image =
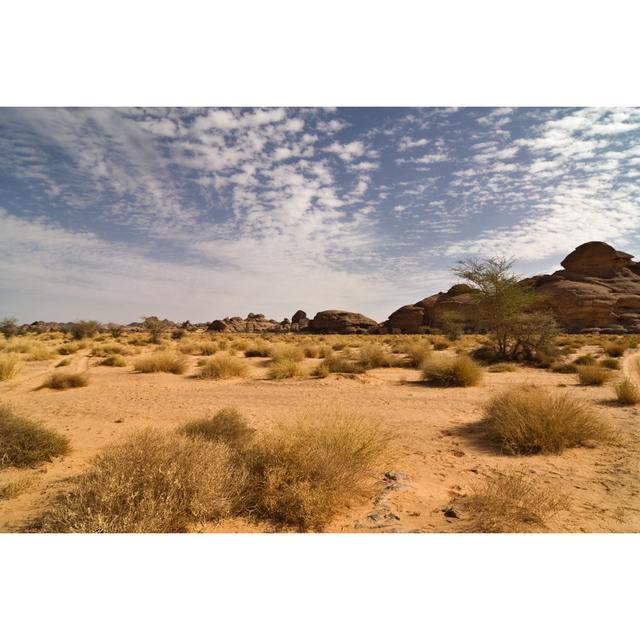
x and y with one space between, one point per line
298 475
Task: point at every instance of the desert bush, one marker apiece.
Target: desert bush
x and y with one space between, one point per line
13 488
585 360
155 327
25 443
501 367
440 343
152 482
321 371
287 352
339 345
39 353
417 354
258 349
84 329
222 366
593 375
627 392
8 327
113 361
527 420
109 349
610 363
564 367
208 348
302 473
614 349
116 330
227 425
62 380
64 363
162 361
511 503
461 371
375 357
19 345
281 369
339 364
10 365
311 350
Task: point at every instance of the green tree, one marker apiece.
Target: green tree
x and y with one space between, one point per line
505 309
84 329
155 327
9 327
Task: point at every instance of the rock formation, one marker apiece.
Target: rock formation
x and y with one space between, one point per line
253 323
336 321
597 291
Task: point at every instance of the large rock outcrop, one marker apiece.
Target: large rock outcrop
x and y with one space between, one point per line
337 321
253 323
597 290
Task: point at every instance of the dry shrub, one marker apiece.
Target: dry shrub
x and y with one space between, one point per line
258 349
162 361
585 360
627 392
461 371
19 345
72 347
510 503
64 363
287 352
527 420
303 473
614 349
417 354
222 366
281 369
39 353
10 365
311 351
610 363
114 361
339 345
440 343
227 425
13 488
338 364
63 380
25 443
564 367
501 367
374 357
593 375
109 349
151 482
208 348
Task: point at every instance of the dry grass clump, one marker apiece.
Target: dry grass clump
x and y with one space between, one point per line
150 482
564 367
222 366
63 380
627 392
64 362
339 364
114 361
440 343
528 420
281 369
502 367
593 375
227 425
585 360
13 488
417 354
258 349
162 361
610 363
10 365
303 473
72 347
287 352
25 443
375 357
614 349
19 345
109 349
510 503
461 371
39 353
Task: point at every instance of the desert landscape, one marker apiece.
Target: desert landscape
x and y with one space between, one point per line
441 419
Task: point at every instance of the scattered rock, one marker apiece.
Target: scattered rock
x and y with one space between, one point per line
449 512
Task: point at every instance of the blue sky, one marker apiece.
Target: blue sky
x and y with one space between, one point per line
203 213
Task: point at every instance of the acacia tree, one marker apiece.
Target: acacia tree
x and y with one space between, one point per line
505 308
155 327
9 327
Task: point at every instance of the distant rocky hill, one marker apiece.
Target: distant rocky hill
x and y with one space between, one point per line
597 291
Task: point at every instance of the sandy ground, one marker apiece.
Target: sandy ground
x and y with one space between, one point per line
438 455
